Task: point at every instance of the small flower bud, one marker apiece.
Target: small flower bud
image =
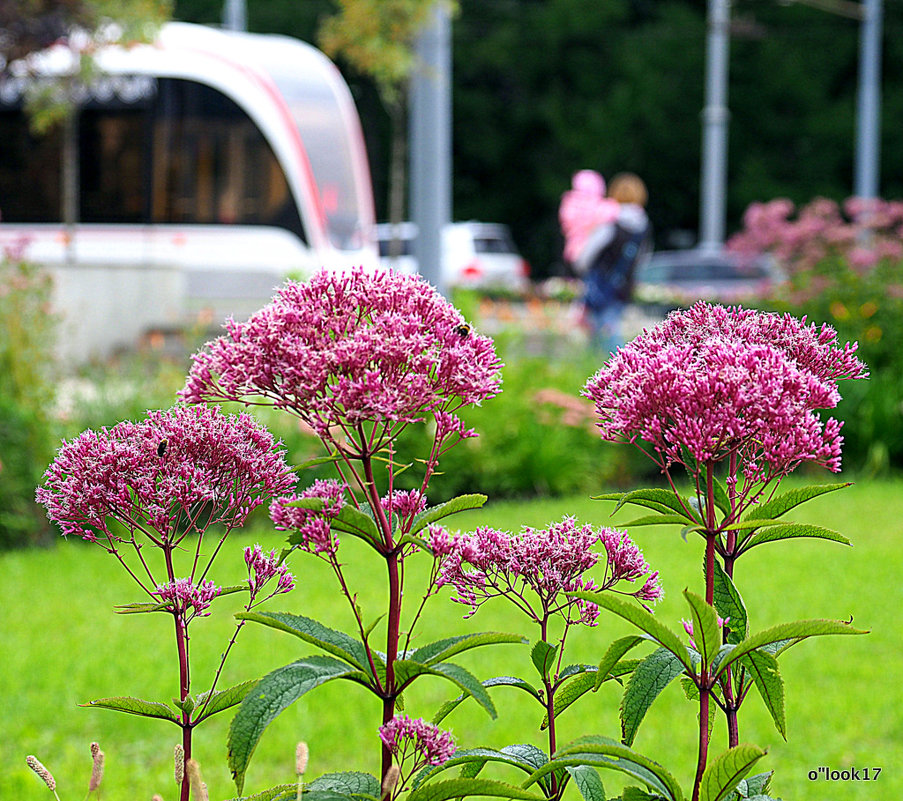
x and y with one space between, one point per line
38 768
301 756
180 764
391 780
157 797
97 770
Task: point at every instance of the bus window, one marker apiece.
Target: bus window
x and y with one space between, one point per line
112 166
211 164
32 162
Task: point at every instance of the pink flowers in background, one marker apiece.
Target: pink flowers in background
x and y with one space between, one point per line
719 383
549 562
864 231
176 472
416 739
346 349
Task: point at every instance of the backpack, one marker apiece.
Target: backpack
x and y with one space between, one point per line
611 274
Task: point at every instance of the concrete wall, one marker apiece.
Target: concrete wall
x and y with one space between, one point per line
106 308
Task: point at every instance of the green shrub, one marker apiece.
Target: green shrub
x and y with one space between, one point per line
26 398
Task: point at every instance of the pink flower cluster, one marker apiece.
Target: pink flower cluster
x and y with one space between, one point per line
264 566
821 230
184 594
550 562
350 348
432 745
313 526
163 472
716 382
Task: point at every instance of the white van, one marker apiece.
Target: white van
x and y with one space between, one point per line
474 254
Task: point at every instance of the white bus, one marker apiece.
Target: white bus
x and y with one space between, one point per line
230 159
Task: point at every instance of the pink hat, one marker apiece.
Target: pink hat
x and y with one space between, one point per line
590 182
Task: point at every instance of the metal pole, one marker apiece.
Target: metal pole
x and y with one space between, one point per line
868 113
715 118
235 15
430 136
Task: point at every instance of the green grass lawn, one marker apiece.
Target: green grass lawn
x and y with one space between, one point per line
62 645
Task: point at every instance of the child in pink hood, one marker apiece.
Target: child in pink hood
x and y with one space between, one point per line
584 208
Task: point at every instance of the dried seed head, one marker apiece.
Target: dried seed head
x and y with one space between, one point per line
301 756
391 780
97 770
38 768
198 788
179 764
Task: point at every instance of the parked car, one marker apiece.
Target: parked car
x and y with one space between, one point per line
474 254
681 277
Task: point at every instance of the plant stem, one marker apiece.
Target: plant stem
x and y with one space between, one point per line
550 707
704 692
184 675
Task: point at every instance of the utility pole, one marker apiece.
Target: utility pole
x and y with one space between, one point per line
235 15
430 138
867 169
715 117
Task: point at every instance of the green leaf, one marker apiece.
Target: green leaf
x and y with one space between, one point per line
274 693
316 461
543 656
654 498
755 786
602 752
406 670
651 676
796 630
786 531
525 757
725 772
729 604
657 520
348 782
706 632
763 667
588 782
312 631
135 706
613 655
141 608
281 792
223 699
788 500
499 681
459 788
643 620
186 706
637 794
450 507
575 689
443 649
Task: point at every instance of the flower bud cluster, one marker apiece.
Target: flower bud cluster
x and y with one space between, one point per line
264 566
184 593
157 472
313 526
714 382
348 348
549 561
432 745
